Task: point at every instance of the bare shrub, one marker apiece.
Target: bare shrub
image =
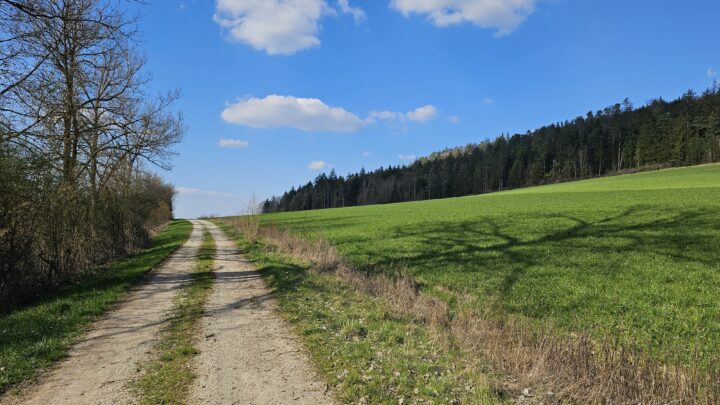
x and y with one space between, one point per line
248 223
52 234
554 366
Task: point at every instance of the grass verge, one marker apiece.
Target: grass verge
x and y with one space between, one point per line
366 351
167 376
34 337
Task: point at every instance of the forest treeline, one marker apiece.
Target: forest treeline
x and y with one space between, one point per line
616 139
78 133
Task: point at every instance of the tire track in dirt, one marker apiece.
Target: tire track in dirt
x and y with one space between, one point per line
99 368
248 354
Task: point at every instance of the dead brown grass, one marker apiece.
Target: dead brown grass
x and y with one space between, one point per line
400 291
534 364
248 224
576 368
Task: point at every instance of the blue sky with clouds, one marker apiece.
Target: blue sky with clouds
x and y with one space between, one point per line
275 92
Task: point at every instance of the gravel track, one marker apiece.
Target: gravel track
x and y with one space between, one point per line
248 354
99 368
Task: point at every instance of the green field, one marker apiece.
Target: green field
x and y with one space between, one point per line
634 257
38 335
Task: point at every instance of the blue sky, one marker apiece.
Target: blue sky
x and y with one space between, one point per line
274 92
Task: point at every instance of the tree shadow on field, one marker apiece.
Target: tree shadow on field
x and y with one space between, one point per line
646 274
503 249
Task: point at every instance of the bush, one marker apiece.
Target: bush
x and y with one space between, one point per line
51 234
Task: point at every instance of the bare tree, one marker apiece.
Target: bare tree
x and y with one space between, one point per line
77 132
248 223
82 103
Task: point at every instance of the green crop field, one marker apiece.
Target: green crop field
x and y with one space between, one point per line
634 257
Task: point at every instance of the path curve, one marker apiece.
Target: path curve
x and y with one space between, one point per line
248 354
98 369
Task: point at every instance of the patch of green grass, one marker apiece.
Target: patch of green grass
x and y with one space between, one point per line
364 350
167 376
634 258
38 335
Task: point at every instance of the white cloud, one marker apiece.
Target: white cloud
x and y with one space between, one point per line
502 15
188 191
308 114
385 115
317 165
424 113
711 72
454 119
193 202
409 158
488 100
233 143
278 27
275 26
355 12
366 154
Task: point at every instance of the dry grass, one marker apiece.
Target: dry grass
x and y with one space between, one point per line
536 364
577 368
249 224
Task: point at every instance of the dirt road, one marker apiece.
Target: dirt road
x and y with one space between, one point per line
247 353
100 366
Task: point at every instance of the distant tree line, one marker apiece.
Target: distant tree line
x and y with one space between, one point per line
77 133
616 139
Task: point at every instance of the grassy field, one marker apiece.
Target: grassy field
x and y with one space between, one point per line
34 337
634 257
167 377
364 350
